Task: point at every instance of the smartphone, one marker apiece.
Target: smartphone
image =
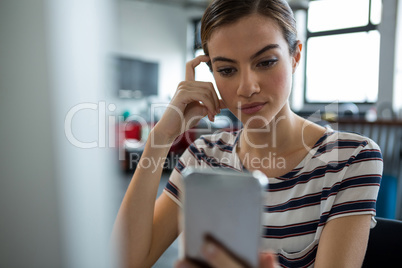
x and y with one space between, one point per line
226 206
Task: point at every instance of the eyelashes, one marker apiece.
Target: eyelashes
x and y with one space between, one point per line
267 63
230 71
226 71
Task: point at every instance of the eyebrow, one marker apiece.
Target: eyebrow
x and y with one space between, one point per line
258 53
261 51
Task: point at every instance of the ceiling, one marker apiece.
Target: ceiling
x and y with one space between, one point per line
184 3
295 4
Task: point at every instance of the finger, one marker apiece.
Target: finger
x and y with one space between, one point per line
195 94
190 66
268 260
207 86
217 257
214 96
222 104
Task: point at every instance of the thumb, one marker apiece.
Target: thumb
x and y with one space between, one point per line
268 260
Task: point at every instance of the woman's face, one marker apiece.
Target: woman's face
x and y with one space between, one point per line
253 68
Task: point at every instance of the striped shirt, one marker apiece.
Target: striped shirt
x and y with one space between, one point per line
340 176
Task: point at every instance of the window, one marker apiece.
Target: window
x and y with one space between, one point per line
342 51
202 72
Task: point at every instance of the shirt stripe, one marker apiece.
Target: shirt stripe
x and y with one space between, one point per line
340 176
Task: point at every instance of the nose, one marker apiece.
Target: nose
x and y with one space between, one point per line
248 84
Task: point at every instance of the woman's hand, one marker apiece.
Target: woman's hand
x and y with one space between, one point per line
218 257
192 101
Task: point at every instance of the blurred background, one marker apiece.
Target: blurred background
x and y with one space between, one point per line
83 81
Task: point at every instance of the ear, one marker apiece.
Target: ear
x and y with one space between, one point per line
296 56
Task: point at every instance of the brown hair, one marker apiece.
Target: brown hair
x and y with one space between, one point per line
223 12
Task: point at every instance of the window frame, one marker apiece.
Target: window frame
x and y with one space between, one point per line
308 34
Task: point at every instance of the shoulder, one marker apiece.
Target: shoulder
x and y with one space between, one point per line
347 141
338 150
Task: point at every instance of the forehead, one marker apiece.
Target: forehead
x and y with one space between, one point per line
245 36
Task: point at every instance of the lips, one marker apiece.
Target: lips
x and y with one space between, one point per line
252 108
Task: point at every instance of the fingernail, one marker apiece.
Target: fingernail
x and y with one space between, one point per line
209 250
183 265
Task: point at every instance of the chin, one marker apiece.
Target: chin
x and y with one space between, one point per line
257 122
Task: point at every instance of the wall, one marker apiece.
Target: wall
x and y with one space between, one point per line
158 33
79 48
388 50
29 222
56 197
398 65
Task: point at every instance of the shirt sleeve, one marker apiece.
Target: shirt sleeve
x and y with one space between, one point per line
356 193
208 151
174 186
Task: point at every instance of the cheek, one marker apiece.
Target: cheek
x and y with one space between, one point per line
278 82
224 88
281 81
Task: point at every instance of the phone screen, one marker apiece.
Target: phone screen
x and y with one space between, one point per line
224 205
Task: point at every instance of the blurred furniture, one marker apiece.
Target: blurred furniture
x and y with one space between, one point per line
132 136
384 245
388 135
132 139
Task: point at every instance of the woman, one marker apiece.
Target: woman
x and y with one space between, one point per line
323 185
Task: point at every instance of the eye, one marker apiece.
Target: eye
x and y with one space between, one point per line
226 71
267 63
